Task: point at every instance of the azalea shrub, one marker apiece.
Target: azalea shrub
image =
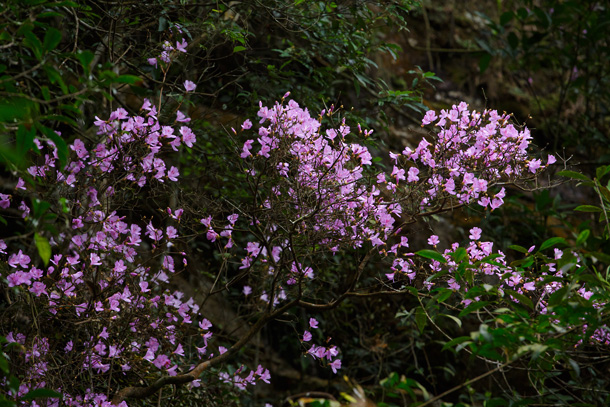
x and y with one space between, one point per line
92 316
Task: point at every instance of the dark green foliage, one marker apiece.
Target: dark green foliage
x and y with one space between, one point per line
557 53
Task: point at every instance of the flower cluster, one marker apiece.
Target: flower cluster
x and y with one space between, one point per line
242 382
108 271
169 50
320 188
321 353
313 188
470 151
321 175
482 261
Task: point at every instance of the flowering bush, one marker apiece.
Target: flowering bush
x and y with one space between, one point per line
90 280
107 276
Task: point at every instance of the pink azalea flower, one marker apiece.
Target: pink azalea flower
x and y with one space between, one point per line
181 46
189 86
246 125
335 365
475 233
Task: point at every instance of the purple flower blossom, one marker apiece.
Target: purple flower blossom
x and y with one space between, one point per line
335 365
20 184
173 174
19 259
38 288
246 149
433 240
246 125
429 117
475 233
189 86
181 46
95 259
188 137
205 324
5 201
180 117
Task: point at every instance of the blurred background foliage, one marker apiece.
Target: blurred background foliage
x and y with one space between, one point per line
62 63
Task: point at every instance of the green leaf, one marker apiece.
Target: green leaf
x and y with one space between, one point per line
56 77
558 296
46 95
484 62
601 171
574 175
474 306
85 58
518 248
50 14
15 108
421 319
66 3
13 383
456 341
4 364
51 39
506 17
605 192
25 139
454 319
490 259
587 208
44 248
582 237
574 366
520 297
239 48
32 42
64 207
490 353
535 348
513 40
484 332
128 79
552 242
59 118
459 255
431 254
443 294
39 208
37 393
412 290
601 256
